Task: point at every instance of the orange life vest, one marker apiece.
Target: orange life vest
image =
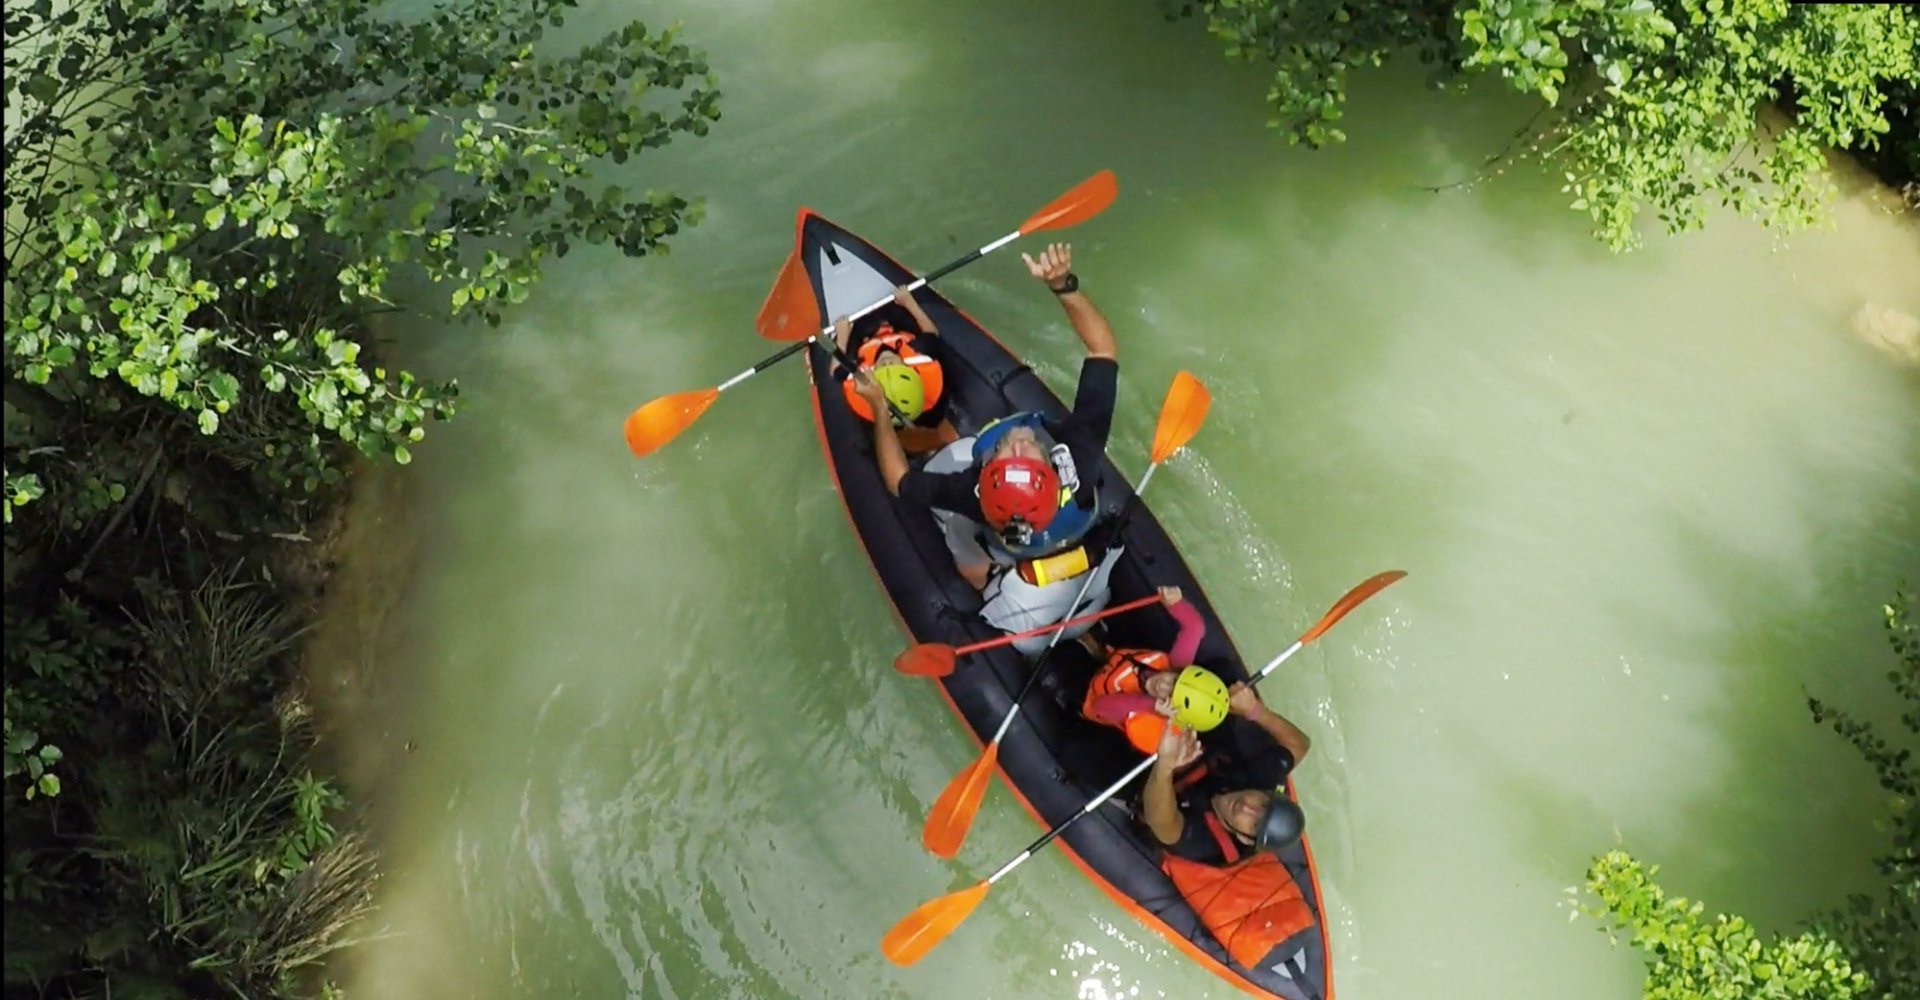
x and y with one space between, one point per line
1121 675
886 338
1251 905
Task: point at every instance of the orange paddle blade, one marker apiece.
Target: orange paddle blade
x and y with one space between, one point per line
790 312
918 932
953 812
1181 415
929 659
1367 588
1086 200
656 423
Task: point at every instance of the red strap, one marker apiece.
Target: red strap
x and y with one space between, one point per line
1228 849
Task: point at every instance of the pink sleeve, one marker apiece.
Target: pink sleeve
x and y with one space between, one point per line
1192 629
1113 709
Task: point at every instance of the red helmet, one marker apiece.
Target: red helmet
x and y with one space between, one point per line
1019 487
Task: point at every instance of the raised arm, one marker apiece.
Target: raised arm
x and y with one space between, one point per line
1159 809
1054 267
1244 702
1193 628
887 452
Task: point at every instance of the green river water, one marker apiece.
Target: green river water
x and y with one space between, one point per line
628 728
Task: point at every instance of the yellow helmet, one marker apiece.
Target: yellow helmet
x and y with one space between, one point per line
903 388
1199 699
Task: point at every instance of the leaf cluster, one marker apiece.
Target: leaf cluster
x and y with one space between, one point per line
1657 106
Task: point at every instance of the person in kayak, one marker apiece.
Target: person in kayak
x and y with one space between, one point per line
1182 819
1032 481
1223 840
1138 690
907 367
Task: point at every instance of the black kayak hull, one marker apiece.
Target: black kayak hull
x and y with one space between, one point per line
1053 760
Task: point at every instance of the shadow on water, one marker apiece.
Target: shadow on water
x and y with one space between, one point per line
1314 274
1784 825
1788 828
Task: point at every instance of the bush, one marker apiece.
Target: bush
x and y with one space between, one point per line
205 203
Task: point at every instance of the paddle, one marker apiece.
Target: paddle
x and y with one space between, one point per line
936 659
920 931
790 313
1181 414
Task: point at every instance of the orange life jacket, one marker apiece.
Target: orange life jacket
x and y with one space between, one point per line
886 338
1251 905
1121 675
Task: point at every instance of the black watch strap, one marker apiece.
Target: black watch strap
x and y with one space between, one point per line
1068 287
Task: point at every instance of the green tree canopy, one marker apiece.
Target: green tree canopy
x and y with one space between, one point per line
205 201
1691 957
200 197
1647 104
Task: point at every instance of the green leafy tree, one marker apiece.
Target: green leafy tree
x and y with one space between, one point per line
1647 104
1691 957
205 203
200 203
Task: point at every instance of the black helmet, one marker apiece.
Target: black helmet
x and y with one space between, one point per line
1282 824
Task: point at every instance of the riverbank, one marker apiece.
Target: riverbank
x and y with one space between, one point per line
183 837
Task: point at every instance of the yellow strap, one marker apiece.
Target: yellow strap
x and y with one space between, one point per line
1061 566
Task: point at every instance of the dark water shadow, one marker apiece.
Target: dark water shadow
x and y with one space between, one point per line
1790 829
1787 830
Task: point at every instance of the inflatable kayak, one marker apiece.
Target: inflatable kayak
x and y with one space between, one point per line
1054 760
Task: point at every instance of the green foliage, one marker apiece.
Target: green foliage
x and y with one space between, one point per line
28 756
1690 957
1652 104
218 825
205 205
1313 44
211 860
178 240
21 491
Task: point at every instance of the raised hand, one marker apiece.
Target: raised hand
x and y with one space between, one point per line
1178 747
1052 266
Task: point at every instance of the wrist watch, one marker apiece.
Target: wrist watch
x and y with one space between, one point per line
1068 287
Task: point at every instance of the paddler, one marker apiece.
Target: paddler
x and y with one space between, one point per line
1024 493
1223 835
1137 691
907 367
